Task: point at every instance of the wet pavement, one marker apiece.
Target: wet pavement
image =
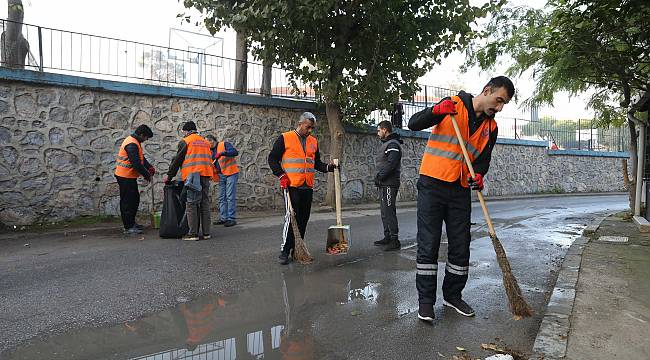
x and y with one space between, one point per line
110 297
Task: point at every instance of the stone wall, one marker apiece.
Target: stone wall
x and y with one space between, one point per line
58 145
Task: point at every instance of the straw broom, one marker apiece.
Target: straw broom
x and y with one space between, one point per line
518 305
300 251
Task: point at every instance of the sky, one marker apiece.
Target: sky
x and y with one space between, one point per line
150 21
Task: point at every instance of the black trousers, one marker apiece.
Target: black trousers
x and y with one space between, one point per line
301 203
389 211
129 200
439 202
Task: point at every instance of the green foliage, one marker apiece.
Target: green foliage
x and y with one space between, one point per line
359 54
596 46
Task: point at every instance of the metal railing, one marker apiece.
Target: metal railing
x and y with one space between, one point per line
69 52
566 134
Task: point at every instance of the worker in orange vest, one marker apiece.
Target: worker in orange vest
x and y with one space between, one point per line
194 159
130 164
444 188
294 159
226 163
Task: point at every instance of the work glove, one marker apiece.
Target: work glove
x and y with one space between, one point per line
476 183
331 167
151 170
445 107
166 179
220 154
284 182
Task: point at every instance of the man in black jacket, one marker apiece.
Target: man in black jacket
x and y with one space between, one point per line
130 165
444 188
388 164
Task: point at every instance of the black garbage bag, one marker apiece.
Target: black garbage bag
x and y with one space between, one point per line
173 222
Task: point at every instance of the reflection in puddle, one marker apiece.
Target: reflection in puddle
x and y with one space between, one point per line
369 292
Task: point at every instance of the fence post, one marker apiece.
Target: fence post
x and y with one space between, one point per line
579 133
426 96
591 135
40 49
516 128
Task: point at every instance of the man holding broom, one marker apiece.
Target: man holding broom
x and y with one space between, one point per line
444 187
294 159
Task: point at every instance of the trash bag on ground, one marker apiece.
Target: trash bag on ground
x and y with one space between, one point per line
173 222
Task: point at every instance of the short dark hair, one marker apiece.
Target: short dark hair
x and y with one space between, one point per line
501 82
386 125
144 130
211 137
189 126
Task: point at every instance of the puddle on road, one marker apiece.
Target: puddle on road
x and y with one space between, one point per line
276 319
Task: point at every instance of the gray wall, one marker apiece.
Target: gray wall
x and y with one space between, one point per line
58 144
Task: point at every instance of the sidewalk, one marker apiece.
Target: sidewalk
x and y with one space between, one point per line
606 314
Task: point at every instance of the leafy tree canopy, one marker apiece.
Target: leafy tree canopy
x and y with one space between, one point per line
596 46
360 54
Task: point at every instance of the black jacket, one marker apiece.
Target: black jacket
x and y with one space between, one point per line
425 119
388 161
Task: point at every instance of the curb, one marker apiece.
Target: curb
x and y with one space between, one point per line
553 334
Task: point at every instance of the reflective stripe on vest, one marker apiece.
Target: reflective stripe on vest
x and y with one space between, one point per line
228 164
123 167
299 163
198 157
443 157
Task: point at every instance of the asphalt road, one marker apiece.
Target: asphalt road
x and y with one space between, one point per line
105 295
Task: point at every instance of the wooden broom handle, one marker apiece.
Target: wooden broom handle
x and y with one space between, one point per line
486 214
337 192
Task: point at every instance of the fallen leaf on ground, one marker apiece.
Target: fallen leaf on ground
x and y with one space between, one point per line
355 312
460 348
516 318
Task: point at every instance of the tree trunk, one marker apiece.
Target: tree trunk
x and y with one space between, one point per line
241 66
14 45
266 78
337 134
633 160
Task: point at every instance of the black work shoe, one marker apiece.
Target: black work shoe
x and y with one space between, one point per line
138 226
230 223
394 245
283 259
425 312
205 237
381 242
133 231
460 306
220 222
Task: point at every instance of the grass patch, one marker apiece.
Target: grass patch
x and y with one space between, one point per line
80 221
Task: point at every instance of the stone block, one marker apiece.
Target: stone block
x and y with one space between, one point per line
60 160
25 105
86 115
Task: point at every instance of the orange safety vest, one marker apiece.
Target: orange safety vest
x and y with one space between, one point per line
199 323
443 157
198 157
228 164
297 163
302 349
123 167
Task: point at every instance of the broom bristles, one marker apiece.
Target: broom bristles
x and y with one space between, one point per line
516 301
300 252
